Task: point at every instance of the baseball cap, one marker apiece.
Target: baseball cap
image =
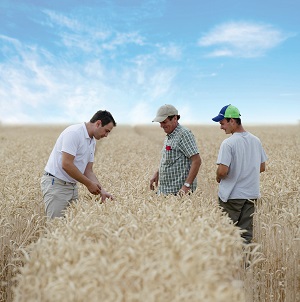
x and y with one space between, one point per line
227 111
164 111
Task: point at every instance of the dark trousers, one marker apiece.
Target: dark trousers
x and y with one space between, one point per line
240 211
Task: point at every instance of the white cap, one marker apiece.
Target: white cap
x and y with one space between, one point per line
163 112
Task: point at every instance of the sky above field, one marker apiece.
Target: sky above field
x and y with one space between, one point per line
61 61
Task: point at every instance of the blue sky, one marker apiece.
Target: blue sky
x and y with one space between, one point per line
61 61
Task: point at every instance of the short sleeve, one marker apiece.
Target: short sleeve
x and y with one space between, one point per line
225 154
188 144
70 143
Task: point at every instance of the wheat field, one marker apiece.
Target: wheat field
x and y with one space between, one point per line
140 246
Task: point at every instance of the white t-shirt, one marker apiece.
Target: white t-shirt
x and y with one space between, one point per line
243 154
75 141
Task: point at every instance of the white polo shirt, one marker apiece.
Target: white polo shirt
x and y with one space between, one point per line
74 140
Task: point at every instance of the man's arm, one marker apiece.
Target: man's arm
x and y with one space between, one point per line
222 172
195 166
262 167
68 166
89 173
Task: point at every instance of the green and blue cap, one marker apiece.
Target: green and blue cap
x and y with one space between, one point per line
227 111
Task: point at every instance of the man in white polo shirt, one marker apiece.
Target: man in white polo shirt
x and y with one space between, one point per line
71 161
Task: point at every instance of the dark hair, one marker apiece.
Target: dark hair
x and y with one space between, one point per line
171 116
104 116
238 120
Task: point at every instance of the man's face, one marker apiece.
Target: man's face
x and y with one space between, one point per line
103 131
226 126
169 125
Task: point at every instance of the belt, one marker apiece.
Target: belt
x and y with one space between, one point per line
48 174
57 179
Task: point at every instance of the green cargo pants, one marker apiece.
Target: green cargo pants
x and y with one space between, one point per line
240 211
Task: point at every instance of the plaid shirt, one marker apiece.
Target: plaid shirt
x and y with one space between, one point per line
175 162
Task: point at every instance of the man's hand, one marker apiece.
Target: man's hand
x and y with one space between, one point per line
94 188
183 191
105 195
154 180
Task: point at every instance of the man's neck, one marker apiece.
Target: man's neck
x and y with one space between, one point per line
238 129
89 128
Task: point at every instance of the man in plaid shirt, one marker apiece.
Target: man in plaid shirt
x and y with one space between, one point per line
180 160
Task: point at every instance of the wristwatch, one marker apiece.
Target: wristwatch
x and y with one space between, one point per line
186 184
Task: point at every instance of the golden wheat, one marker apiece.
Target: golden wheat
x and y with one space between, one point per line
141 246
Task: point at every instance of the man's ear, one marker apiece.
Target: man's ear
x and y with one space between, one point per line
99 123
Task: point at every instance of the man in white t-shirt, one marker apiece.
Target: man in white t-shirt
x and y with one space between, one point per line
71 161
240 161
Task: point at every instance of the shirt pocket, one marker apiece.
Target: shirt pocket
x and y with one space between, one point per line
170 155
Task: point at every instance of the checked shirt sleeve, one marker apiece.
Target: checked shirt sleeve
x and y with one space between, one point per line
188 144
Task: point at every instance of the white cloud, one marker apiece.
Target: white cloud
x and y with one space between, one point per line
76 33
37 87
208 75
242 39
145 76
139 114
11 40
63 21
124 38
171 50
187 114
160 83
